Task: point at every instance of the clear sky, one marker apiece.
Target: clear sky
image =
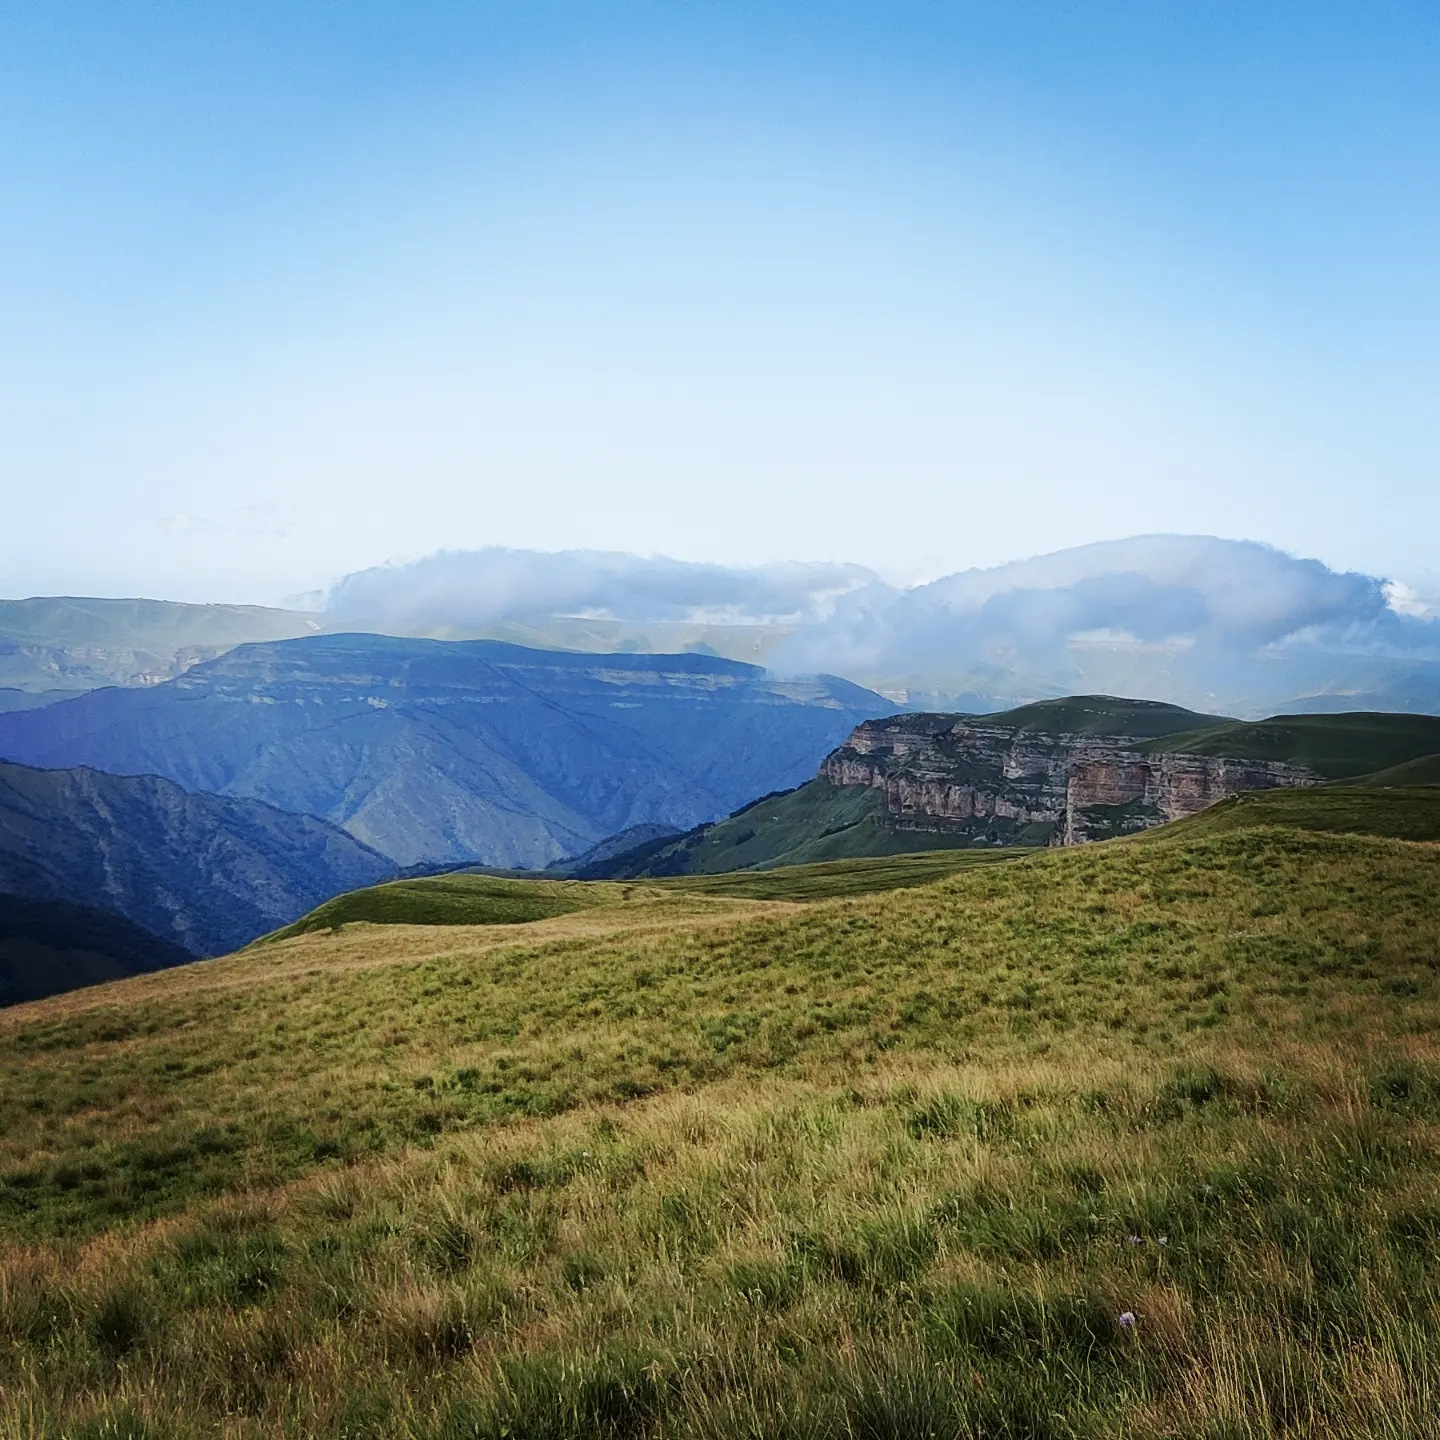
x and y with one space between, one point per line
291 289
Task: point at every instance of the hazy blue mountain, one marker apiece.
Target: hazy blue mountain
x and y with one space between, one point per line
13 699
56 643
204 872
435 751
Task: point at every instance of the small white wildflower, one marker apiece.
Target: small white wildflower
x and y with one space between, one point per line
1127 1320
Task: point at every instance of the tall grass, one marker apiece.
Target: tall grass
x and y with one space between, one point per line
1136 1141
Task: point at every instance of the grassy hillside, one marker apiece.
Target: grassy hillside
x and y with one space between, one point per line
1132 1139
476 899
865 875
458 899
1424 771
1339 747
815 823
1400 814
1104 715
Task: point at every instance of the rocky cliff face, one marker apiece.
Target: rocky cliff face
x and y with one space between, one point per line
999 785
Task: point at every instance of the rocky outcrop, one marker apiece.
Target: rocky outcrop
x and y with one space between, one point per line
997 785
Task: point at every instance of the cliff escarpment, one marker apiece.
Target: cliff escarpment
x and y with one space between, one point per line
992 783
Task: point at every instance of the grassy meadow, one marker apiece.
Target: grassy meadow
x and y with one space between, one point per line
1130 1140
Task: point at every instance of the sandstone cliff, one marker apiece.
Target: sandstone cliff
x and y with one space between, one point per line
996 784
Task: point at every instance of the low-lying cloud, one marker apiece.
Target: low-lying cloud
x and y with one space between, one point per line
1211 623
483 587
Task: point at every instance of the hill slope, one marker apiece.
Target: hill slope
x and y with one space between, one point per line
435 751
1394 812
1109 715
50 946
815 822
453 900
199 871
1339 747
1424 771
1026 1152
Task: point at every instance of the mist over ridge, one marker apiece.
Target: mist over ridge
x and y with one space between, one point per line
1198 620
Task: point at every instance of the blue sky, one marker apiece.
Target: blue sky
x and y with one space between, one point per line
291 290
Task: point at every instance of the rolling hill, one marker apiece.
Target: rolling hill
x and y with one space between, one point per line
1424 771
1102 715
434 751
1394 812
202 872
1339 747
1121 1139
463 898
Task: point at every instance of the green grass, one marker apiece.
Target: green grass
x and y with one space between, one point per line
695 1167
463 899
1424 771
832 878
1103 715
1400 814
816 823
475 899
1339 747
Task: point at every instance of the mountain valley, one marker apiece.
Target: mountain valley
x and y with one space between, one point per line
442 752
204 873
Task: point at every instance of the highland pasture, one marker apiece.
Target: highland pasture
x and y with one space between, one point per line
1135 1139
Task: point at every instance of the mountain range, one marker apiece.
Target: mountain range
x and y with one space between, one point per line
204 873
441 752
1202 622
50 946
53 647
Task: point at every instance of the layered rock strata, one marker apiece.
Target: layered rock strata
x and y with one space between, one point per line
1006 786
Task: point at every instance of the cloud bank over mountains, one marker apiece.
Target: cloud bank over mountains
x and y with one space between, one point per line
483 587
1217 624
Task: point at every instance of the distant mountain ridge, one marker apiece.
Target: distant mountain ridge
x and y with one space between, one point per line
203 872
446 751
1196 620
60 643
